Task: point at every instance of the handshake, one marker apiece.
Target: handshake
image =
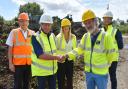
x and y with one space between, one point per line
60 58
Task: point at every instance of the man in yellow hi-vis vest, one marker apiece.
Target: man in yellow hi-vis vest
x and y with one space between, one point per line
44 65
118 44
98 50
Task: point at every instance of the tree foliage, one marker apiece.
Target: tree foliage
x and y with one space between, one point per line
56 24
31 8
1 20
123 28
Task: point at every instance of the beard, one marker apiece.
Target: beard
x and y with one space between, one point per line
91 30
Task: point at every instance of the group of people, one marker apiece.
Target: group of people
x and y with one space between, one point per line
47 57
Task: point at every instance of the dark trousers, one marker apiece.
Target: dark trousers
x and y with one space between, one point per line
22 76
112 73
51 79
65 70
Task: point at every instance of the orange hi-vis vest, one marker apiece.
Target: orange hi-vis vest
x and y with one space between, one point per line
22 48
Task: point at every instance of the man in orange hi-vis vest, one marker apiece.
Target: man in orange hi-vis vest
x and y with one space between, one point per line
19 52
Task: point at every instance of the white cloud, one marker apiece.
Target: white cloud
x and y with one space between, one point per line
20 2
76 7
62 8
119 9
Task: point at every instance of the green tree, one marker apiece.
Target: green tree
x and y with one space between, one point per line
31 8
1 22
56 25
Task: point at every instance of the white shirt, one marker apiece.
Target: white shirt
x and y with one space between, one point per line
9 41
68 46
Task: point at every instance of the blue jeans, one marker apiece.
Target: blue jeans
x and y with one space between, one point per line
51 79
95 80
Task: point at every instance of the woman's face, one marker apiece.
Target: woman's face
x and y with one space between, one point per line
66 29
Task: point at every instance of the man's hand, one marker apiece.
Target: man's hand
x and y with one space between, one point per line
60 58
11 67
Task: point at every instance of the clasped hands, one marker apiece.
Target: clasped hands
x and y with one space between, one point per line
61 58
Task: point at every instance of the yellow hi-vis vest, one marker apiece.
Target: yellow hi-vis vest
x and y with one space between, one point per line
112 31
44 67
98 60
61 43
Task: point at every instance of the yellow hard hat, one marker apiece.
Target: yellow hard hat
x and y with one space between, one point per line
88 14
65 22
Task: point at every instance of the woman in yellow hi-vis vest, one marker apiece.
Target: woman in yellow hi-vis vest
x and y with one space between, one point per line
66 41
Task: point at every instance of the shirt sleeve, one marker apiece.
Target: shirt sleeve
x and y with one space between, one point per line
9 40
37 47
119 39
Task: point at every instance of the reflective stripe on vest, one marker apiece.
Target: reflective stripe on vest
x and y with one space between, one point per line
111 51
62 50
18 43
113 34
81 46
100 50
21 44
41 42
42 45
96 50
22 48
76 54
59 47
113 30
22 56
97 66
43 67
85 39
115 43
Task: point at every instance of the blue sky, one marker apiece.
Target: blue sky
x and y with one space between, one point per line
9 8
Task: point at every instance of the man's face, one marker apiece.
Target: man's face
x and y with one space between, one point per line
23 24
46 27
90 25
107 20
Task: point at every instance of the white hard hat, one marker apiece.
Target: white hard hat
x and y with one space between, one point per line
108 14
46 19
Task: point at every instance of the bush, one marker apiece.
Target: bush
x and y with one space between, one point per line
123 28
